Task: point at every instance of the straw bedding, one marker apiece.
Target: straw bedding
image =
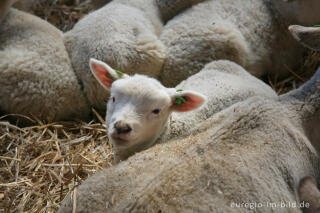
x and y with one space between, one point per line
41 163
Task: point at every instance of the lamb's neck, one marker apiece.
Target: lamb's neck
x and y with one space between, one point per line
178 125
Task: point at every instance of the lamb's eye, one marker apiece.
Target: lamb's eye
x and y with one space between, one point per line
113 99
156 111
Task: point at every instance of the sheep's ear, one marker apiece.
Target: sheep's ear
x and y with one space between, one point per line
184 101
307 36
104 73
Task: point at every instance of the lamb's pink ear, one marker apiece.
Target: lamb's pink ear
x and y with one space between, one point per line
184 101
104 73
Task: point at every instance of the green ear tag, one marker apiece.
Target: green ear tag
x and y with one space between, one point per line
179 100
317 25
112 78
119 73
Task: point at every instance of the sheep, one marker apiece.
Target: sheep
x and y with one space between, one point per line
139 107
248 157
251 33
36 76
124 34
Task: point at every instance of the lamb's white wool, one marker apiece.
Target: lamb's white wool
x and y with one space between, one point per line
223 83
140 106
36 75
252 33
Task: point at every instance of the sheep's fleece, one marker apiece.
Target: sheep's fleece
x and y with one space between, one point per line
252 33
36 76
166 39
252 153
230 83
172 40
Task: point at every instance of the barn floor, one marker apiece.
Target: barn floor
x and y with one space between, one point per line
41 163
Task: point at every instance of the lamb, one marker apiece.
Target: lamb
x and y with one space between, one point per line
139 107
124 34
36 76
247 157
251 33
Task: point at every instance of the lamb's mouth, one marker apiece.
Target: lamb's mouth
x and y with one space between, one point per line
120 141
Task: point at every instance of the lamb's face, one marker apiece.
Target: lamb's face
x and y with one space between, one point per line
137 111
139 107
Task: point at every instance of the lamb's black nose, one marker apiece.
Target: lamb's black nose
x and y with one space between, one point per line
122 128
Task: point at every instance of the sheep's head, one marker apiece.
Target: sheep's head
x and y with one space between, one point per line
139 106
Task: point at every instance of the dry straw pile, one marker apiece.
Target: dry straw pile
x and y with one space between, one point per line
41 163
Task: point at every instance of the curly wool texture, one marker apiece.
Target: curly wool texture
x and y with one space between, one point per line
231 84
250 33
36 77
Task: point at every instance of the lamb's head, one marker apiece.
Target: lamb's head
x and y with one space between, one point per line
139 107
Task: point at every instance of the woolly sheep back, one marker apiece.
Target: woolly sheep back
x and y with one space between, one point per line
224 83
250 33
36 76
